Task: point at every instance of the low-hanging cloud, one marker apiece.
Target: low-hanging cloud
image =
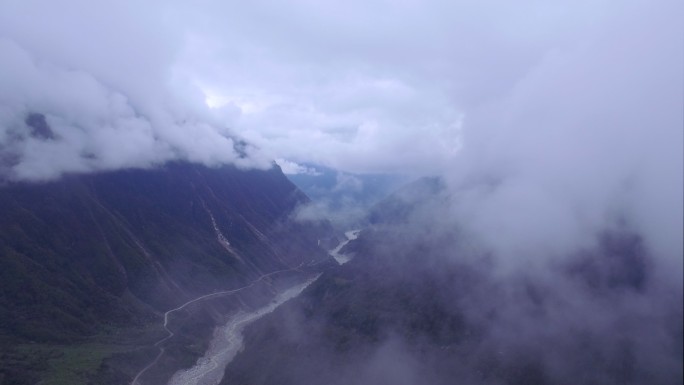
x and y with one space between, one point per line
591 139
379 86
293 168
341 204
102 78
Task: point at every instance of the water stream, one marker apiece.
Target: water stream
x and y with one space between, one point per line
344 258
227 342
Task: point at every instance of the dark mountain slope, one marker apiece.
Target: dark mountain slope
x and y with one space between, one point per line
116 247
324 183
400 206
419 305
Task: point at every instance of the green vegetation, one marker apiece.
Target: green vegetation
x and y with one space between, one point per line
77 363
73 364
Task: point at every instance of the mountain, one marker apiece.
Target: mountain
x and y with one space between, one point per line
337 187
343 198
403 204
419 304
100 257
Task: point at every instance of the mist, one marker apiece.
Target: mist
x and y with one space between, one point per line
424 301
590 140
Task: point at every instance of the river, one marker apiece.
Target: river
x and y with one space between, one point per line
227 342
344 258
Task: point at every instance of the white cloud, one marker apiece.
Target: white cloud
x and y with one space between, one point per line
293 168
378 86
589 139
102 74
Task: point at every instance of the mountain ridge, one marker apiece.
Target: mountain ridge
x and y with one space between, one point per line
91 252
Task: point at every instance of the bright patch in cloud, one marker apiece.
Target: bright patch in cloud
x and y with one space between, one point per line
293 168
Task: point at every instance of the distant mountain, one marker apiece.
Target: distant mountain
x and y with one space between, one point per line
403 204
345 197
90 253
419 305
328 183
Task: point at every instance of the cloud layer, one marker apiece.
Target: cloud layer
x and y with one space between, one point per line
379 86
590 140
102 75
387 86
570 111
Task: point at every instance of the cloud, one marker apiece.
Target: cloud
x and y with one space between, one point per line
347 182
293 168
379 86
364 86
590 139
102 77
343 213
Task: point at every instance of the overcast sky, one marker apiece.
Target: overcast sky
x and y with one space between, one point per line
363 86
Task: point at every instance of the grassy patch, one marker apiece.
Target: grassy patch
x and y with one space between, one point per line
76 364
79 363
62 365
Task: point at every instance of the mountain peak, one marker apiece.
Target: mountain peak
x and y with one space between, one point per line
39 126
